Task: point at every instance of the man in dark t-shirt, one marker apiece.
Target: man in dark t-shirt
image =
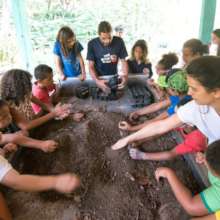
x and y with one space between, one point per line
103 55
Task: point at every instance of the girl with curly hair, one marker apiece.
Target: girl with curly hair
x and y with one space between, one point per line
163 66
16 89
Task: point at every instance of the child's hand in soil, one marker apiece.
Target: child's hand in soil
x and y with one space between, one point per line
49 146
78 116
120 144
66 183
200 158
125 126
62 111
133 116
162 172
10 147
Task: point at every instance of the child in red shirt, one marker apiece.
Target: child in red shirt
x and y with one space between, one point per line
44 88
47 92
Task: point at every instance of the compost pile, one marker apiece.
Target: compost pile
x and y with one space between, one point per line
113 186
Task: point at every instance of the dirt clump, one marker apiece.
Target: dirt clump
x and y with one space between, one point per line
114 187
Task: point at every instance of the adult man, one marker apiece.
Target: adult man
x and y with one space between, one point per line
103 55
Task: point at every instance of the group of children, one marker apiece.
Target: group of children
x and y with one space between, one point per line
24 106
175 88
197 119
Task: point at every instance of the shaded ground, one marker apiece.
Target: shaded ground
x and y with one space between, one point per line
109 190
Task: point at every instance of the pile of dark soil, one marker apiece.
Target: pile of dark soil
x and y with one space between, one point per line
114 187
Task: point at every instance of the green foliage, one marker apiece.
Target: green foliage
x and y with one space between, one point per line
159 22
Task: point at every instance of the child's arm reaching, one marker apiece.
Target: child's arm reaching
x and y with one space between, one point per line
192 204
140 155
82 65
59 67
150 130
17 138
150 109
44 106
64 183
123 125
61 111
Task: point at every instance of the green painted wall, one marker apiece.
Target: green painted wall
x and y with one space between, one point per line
207 20
23 37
